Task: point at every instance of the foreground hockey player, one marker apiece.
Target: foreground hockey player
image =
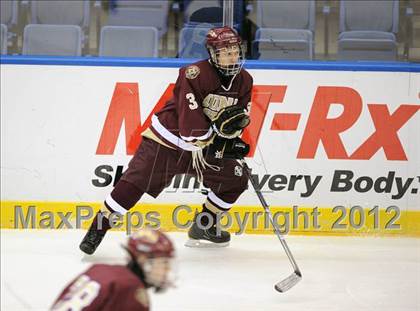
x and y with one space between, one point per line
196 132
116 287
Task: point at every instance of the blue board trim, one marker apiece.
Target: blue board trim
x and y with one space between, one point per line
176 63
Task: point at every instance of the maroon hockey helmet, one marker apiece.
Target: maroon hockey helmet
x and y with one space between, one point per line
153 253
224 46
151 243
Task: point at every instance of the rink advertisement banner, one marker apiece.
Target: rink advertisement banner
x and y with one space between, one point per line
319 139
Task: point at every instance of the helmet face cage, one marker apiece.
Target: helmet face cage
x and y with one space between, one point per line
159 272
154 253
226 53
227 59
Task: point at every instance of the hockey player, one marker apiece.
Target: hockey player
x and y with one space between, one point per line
116 287
196 132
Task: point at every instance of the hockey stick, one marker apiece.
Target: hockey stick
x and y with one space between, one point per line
296 276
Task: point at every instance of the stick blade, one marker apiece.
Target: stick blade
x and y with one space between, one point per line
288 282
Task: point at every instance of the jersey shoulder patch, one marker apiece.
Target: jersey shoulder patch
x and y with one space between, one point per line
192 72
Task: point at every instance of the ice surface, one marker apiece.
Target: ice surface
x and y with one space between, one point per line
339 273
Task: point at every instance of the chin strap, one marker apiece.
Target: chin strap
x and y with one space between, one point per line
137 270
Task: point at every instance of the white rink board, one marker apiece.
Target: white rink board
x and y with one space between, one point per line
52 118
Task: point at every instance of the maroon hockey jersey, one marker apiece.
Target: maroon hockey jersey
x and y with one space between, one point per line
104 287
198 96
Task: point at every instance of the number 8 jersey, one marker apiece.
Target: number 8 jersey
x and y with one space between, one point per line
105 288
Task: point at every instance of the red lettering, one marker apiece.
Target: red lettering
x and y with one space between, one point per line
385 135
261 97
285 122
125 107
136 137
321 129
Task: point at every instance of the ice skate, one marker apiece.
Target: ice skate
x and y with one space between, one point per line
91 240
206 238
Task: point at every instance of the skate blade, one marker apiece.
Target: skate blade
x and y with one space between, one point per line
204 244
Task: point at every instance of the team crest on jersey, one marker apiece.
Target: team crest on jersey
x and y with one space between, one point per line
192 72
213 103
142 297
218 154
238 171
212 33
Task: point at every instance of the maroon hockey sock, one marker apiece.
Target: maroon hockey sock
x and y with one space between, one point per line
125 194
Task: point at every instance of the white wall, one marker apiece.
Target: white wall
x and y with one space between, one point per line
52 118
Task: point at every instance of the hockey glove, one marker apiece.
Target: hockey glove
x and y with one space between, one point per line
222 148
230 121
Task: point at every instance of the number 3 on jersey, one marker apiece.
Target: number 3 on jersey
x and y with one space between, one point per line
191 98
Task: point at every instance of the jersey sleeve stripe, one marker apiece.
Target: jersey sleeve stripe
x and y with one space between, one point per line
219 202
114 205
170 137
203 137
